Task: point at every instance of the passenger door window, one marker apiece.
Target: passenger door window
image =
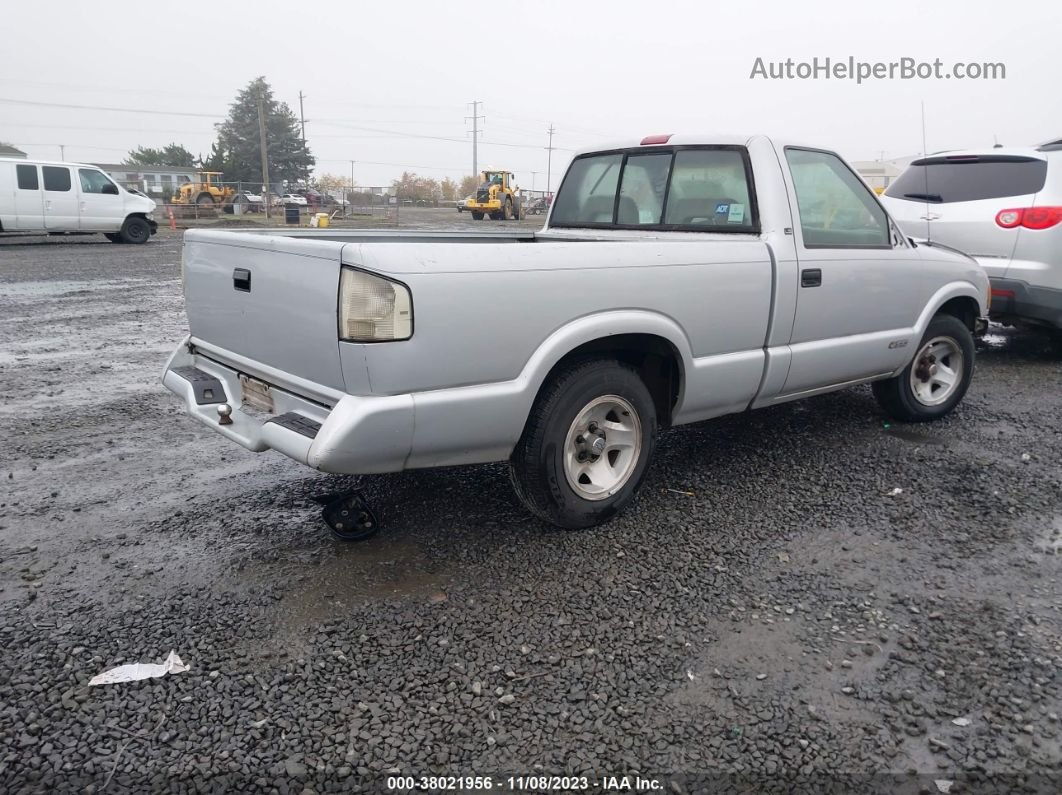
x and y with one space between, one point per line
56 178
836 209
27 177
92 181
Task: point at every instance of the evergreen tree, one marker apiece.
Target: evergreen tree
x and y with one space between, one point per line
170 155
238 150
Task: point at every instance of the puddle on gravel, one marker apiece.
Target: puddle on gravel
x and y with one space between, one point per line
371 571
60 287
914 436
1050 540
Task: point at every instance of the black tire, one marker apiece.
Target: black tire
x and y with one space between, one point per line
114 237
135 230
536 467
205 200
896 395
507 210
476 216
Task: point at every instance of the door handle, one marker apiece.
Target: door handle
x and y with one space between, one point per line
811 277
241 280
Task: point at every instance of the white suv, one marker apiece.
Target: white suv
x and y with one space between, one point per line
1003 207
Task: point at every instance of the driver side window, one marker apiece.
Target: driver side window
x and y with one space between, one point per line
92 181
836 209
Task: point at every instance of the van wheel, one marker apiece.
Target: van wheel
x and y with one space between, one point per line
114 237
135 230
587 444
932 385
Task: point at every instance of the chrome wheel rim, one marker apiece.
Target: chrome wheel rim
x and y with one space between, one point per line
602 448
937 371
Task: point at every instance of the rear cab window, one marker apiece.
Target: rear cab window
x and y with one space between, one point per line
966 178
680 188
56 178
27 177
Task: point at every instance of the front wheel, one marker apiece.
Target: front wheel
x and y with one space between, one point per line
114 237
586 446
932 385
135 230
477 216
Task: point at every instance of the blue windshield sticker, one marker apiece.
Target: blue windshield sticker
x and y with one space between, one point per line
722 209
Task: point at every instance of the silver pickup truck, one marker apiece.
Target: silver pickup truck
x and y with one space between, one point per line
677 278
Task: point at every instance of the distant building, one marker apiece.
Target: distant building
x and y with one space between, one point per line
879 174
152 180
10 151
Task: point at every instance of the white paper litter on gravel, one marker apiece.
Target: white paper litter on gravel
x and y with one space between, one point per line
137 671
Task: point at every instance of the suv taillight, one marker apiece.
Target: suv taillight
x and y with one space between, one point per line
1029 217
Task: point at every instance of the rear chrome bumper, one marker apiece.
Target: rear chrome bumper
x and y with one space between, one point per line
357 435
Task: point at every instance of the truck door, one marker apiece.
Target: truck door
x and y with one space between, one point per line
101 206
60 199
859 293
29 200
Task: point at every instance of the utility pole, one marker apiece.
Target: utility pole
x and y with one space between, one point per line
549 162
62 152
302 118
350 198
475 117
265 153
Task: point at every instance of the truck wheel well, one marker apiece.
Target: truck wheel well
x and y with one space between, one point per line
964 308
656 360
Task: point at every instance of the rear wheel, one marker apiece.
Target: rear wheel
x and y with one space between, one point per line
476 216
507 210
205 200
932 385
135 230
587 444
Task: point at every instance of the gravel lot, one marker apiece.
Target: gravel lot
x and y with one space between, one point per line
794 616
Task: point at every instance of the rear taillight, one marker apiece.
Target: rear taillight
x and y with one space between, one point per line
1029 217
373 309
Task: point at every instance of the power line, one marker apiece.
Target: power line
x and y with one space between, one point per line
112 110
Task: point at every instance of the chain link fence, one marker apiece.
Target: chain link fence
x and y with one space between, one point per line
245 203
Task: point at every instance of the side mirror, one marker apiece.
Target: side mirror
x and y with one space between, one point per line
110 189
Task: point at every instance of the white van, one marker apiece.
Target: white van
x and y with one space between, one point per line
54 198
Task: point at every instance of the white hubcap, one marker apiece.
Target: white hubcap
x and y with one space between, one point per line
602 448
937 371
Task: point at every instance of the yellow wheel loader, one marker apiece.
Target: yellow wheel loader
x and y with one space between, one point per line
495 198
205 195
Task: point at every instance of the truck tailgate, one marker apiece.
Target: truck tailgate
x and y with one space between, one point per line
270 299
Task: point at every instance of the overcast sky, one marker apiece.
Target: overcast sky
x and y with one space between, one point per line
597 71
